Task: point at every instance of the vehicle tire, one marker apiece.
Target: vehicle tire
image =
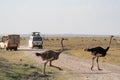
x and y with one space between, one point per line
41 47
7 48
15 48
10 49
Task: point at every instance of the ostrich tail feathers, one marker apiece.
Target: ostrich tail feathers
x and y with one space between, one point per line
87 49
37 54
90 50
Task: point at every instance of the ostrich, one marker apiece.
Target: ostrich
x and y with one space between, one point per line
50 56
98 52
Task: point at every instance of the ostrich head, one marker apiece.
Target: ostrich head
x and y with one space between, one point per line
110 40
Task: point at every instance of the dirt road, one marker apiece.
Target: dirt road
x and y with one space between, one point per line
80 69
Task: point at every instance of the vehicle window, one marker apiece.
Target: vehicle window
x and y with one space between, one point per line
37 39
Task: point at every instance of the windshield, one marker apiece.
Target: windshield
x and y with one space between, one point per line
37 39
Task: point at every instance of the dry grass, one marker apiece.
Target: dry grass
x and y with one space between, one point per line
14 65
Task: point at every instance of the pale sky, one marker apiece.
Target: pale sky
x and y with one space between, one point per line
101 17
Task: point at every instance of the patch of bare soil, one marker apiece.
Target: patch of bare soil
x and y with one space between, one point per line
79 69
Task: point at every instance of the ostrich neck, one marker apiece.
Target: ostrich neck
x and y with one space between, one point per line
61 46
110 42
108 45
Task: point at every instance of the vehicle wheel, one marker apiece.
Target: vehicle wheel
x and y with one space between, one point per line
7 48
10 49
41 47
15 48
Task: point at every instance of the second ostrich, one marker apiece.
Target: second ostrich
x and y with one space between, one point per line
50 56
98 52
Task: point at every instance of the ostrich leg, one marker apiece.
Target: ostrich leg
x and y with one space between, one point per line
93 62
98 63
54 66
45 67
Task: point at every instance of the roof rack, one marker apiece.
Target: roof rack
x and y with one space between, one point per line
35 33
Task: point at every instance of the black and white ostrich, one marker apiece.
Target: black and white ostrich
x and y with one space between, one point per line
50 56
98 52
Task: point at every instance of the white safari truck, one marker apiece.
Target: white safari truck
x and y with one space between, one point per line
36 40
10 42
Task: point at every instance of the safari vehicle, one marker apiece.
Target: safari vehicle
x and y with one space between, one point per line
36 40
10 42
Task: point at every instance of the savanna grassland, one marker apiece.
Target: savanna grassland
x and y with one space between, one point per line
15 65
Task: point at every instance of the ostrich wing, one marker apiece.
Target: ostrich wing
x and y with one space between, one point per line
96 50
